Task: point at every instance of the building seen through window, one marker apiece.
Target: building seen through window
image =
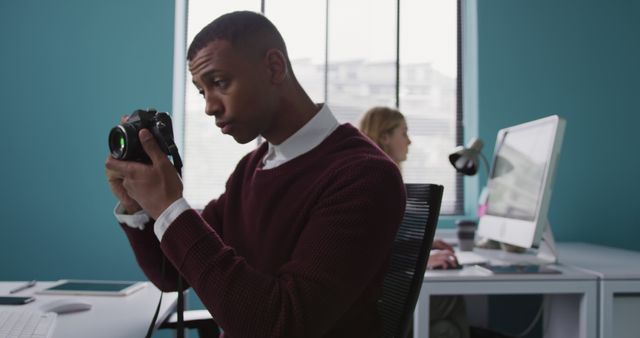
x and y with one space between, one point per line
347 54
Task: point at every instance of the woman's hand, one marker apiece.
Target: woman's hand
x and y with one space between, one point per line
442 259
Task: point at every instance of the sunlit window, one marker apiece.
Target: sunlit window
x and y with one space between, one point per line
353 55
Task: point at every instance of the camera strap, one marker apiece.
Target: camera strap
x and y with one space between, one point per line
177 164
179 307
152 325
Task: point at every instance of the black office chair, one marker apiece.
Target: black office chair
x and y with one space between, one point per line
409 256
402 283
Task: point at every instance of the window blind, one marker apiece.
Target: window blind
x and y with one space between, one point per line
353 55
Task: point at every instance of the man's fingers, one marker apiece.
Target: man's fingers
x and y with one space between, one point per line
150 146
121 169
113 175
116 167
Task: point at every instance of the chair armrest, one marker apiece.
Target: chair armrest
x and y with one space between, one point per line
192 319
195 319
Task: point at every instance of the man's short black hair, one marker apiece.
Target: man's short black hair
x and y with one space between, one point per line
243 29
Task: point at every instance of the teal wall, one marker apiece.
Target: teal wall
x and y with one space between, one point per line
68 70
578 59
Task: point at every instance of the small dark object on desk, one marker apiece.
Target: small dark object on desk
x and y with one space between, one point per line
15 300
456 267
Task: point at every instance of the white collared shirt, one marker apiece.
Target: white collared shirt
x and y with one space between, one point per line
302 141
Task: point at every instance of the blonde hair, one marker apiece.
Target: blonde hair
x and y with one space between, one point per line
380 121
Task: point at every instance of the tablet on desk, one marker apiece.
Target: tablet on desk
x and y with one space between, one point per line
519 269
93 288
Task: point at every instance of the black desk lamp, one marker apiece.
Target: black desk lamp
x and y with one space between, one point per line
465 159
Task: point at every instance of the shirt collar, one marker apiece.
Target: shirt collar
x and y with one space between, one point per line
306 138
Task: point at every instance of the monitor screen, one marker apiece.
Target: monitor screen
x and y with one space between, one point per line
520 162
520 182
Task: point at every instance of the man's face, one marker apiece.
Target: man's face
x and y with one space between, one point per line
237 89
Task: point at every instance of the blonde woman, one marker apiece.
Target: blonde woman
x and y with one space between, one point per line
387 127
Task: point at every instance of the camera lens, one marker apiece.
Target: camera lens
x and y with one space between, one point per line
118 142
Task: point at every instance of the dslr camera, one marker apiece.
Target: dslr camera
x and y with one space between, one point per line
124 143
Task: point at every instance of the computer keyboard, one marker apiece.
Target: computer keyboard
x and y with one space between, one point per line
498 257
27 324
470 258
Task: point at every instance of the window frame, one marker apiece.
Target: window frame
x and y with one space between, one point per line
466 87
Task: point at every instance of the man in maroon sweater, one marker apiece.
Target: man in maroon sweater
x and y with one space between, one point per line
299 243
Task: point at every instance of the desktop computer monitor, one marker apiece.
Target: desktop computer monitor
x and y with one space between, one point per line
521 181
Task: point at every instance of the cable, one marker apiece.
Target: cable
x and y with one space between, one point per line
545 321
180 309
177 164
535 320
175 156
155 315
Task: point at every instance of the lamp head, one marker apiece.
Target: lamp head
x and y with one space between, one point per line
465 159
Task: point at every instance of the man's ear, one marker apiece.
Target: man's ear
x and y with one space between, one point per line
277 64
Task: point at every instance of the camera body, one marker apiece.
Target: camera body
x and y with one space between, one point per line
124 143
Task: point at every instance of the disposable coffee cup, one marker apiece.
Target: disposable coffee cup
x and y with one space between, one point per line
466 234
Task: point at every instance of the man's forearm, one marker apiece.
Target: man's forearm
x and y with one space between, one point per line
150 258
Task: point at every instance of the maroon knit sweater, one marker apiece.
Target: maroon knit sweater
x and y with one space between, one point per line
299 250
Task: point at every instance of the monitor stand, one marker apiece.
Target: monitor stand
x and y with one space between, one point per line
547 251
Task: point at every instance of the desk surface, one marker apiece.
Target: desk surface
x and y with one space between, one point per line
619 273
110 317
475 274
572 295
608 263
472 273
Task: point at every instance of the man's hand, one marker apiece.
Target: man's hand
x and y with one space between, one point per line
154 187
115 182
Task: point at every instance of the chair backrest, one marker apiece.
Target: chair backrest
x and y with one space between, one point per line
409 256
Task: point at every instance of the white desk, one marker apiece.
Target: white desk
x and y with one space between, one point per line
619 274
571 307
110 317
